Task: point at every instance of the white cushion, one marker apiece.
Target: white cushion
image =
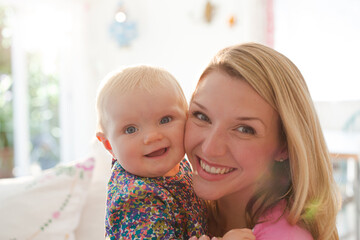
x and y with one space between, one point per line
92 221
47 206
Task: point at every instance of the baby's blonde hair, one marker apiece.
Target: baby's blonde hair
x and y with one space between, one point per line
126 79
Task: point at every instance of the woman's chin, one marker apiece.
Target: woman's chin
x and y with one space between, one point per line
204 189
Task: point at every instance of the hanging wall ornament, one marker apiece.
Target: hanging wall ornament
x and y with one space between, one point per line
122 29
231 20
209 11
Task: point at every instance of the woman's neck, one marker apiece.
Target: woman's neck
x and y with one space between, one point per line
229 213
232 213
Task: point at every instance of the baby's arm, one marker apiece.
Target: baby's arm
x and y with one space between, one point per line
234 234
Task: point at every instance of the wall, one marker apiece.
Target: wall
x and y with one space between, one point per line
339 115
322 38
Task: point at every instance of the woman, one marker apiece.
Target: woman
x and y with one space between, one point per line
257 149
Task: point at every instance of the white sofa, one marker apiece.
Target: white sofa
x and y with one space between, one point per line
65 202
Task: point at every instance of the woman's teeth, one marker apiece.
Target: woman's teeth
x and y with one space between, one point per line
214 170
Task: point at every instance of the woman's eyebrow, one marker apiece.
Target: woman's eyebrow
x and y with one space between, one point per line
250 119
199 105
239 118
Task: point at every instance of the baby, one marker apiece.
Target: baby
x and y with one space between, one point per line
141 120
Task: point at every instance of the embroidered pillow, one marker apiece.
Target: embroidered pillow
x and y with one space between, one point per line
47 206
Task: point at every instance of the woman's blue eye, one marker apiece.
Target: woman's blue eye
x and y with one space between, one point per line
201 116
166 119
130 130
246 130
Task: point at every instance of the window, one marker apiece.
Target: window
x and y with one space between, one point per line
43 89
6 116
29 99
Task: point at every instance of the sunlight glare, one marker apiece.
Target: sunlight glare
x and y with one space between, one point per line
45 29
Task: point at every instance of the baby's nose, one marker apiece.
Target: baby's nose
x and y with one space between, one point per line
152 137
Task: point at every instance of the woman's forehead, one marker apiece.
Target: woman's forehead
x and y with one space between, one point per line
231 96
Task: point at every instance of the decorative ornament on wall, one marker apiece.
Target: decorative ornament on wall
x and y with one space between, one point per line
122 29
209 11
232 20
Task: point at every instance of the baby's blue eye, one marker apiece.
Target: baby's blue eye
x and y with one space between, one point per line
166 119
131 130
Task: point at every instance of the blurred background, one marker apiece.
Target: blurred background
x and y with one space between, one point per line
54 53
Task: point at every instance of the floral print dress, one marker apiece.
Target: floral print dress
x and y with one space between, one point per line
153 208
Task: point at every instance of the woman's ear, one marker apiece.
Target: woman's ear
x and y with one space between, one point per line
102 138
283 153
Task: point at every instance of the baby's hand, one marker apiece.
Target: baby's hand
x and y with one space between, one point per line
234 234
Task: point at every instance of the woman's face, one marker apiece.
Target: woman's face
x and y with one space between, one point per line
232 138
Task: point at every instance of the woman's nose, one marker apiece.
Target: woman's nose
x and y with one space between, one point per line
152 136
214 144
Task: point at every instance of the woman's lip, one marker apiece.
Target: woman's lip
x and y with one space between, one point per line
211 171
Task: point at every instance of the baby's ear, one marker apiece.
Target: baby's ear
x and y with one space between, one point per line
102 138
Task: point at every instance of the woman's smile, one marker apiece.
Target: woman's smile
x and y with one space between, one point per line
212 169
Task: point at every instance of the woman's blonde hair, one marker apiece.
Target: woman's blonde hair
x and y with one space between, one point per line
126 79
312 195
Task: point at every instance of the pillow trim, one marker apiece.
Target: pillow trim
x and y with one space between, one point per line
80 170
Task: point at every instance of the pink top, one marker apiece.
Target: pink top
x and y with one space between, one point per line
275 228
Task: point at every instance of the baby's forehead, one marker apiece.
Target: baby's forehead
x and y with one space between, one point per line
163 91
142 103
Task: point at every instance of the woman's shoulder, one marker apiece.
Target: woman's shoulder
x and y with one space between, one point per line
274 225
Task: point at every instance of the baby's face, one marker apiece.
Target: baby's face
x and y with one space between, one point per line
146 131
